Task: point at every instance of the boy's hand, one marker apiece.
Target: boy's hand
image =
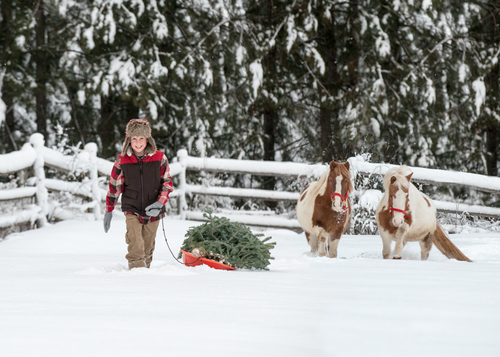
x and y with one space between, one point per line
107 221
154 209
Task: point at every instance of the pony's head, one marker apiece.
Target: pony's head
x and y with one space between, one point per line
397 184
339 184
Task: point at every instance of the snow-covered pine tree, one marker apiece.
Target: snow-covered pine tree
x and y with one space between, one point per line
114 63
19 57
15 77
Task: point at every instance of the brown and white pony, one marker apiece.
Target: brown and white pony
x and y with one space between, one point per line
407 215
324 209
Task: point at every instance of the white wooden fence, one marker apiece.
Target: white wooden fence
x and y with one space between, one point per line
34 155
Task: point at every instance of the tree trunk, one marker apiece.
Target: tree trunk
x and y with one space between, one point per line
491 127
130 111
326 133
270 117
336 43
491 148
6 38
9 122
105 129
269 110
269 138
41 71
328 114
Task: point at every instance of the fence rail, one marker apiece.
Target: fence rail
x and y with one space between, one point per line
358 166
477 182
34 156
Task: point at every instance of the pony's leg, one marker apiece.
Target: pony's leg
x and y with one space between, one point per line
425 246
400 241
322 245
333 243
386 244
313 242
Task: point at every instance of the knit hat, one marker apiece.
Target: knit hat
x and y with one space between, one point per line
139 127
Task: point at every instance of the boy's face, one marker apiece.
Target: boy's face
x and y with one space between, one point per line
138 144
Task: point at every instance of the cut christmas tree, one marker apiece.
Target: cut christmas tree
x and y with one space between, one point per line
227 242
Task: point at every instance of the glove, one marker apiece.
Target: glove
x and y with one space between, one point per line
154 209
107 221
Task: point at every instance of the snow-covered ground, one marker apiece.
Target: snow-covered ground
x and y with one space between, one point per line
65 291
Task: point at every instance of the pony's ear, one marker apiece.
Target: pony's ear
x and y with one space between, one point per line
393 179
333 165
346 165
409 177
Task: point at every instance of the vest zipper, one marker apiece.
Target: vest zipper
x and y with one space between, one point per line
142 186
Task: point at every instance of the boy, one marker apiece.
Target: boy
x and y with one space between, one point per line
142 174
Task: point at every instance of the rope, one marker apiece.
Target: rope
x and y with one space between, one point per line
166 241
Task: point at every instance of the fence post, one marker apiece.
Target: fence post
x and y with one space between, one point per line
42 196
182 156
91 149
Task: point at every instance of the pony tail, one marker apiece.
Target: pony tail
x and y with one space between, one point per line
446 246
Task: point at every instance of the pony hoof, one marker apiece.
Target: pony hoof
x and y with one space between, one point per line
396 258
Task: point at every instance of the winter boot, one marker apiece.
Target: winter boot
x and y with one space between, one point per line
136 264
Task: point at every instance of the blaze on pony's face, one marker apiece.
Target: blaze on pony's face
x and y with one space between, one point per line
399 201
339 181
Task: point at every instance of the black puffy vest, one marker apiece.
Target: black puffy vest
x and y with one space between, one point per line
142 182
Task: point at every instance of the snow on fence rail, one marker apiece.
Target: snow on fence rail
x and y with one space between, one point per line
422 175
34 155
358 166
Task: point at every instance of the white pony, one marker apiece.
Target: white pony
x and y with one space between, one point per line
405 214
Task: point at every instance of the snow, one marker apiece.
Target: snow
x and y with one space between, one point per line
318 60
426 4
17 193
84 160
370 199
462 72
3 107
257 76
382 43
66 292
160 28
88 34
17 160
375 127
430 93
291 33
480 97
423 175
240 54
255 167
153 109
31 214
207 75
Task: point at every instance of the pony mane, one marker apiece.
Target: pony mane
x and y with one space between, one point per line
321 183
400 173
346 173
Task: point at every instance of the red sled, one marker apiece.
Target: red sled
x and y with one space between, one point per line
190 260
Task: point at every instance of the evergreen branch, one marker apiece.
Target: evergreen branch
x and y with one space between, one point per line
230 242
204 39
318 81
426 57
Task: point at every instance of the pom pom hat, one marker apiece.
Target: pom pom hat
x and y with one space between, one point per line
138 127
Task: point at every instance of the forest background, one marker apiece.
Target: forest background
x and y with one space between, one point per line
406 81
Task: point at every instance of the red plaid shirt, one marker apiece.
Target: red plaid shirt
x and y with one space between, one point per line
117 184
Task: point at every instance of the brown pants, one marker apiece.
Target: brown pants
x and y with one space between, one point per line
141 241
